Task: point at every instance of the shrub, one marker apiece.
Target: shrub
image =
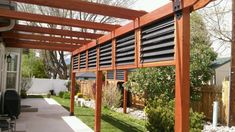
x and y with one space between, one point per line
66 95
23 94
77 87
161 117
111 96
79 95
61 94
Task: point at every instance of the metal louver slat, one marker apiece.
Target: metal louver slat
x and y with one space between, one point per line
75 62
125 49
157 41
105 54
110 74
92 57
120 74
83 60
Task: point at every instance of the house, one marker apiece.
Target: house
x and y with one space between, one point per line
10 58
221 68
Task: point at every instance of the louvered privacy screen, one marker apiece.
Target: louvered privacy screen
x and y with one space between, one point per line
75 62
120 74
125 49
157 42
106 54
83 60
110 75
92 58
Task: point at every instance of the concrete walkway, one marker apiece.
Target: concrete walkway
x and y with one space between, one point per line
50 117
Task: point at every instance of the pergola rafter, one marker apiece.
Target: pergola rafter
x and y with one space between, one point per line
43 30
56 20
43 38
89 7
37 45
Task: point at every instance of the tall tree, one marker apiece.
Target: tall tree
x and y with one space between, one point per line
55 60
33 66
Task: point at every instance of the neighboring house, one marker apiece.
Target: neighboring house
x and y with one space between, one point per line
86 76
222 70
10 58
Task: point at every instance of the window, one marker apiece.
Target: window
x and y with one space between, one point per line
12 72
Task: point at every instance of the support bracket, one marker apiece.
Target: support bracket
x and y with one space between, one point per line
177 9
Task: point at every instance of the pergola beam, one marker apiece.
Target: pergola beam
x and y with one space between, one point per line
43 38
51 31
38 43
55 20
89 7
33 46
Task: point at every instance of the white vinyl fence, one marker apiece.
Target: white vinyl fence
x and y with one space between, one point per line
43 86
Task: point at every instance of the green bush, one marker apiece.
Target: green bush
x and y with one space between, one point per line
66 95
161 117
23 94
79 95
77 86
61 94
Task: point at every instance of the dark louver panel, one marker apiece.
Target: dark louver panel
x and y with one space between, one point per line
75 62
125 49
106 54
83 60
158 41
120 75
110 75
92 58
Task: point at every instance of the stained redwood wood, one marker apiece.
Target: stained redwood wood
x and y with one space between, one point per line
182 83
89 7
72 90
55 20
98 99
200 4
232 91
43 38
33 46
125 92
38 43
51 31
113 53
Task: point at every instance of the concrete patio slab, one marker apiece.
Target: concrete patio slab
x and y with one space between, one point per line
51 117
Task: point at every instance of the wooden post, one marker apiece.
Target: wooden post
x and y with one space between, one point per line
182 85
72 90
232 74
98 99
125 92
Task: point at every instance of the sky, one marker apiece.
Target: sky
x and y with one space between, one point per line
149 5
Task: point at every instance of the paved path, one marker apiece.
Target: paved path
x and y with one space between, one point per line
51 117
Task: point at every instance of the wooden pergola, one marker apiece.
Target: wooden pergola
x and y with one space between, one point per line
158 38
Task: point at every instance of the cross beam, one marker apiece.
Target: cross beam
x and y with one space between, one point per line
42 38
34 45
89 7
55 20
51 31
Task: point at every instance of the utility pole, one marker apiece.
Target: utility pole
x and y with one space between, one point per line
232 81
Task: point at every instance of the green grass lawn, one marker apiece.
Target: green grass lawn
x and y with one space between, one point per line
111 121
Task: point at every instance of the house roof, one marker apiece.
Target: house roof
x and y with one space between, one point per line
220 62
87 75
